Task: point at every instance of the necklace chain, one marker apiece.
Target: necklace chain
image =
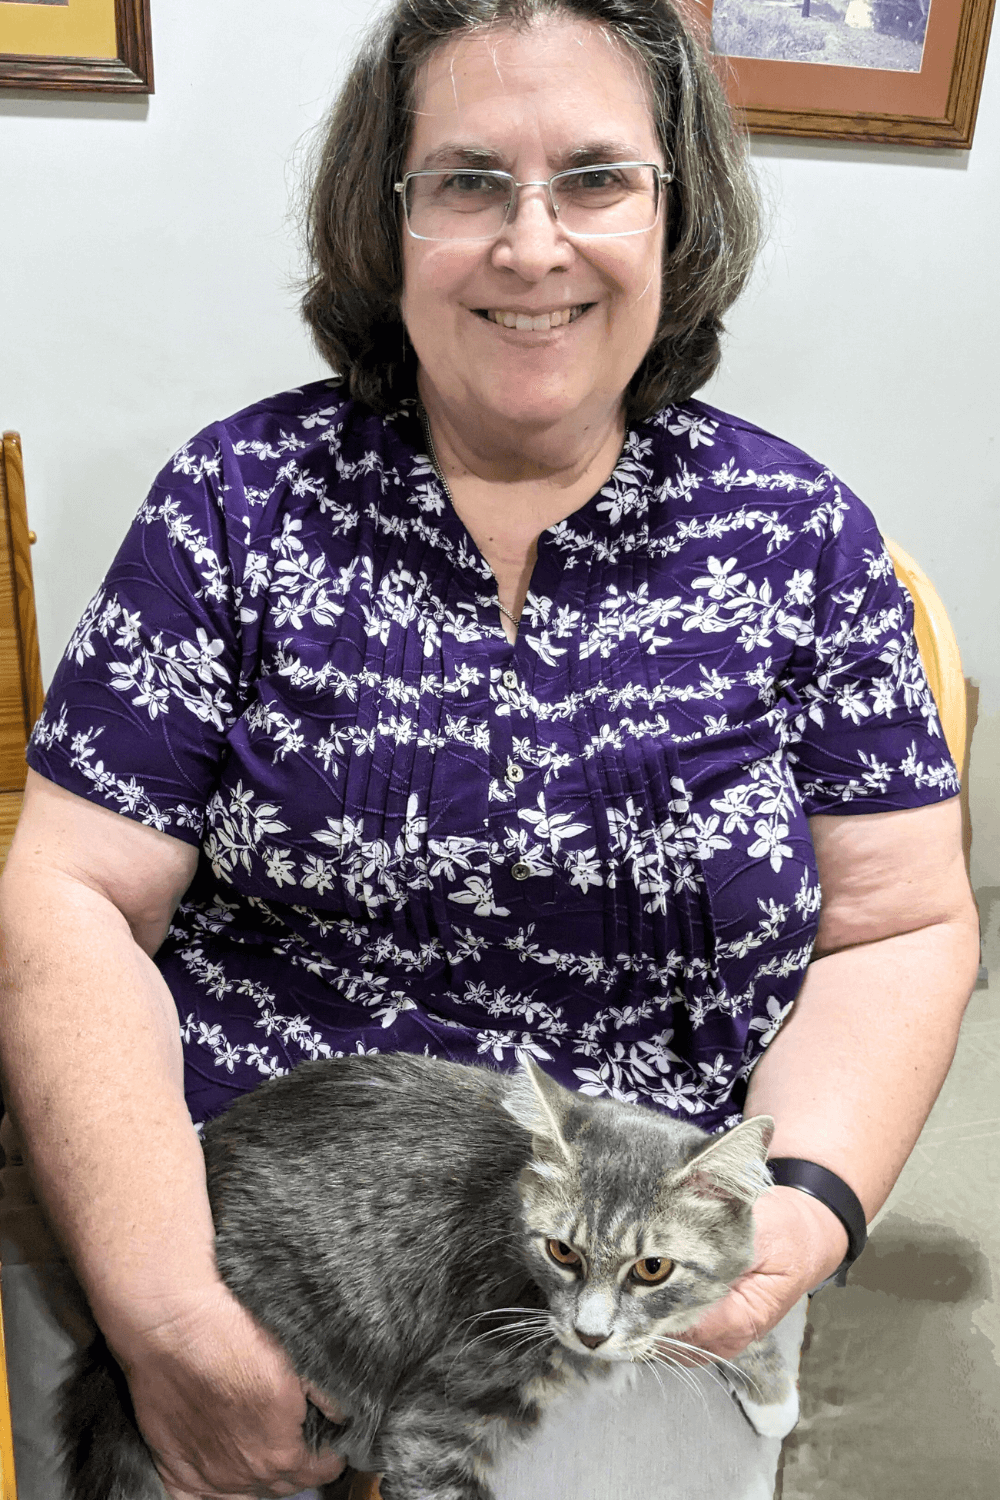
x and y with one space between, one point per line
515 620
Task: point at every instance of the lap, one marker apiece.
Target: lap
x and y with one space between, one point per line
660 1437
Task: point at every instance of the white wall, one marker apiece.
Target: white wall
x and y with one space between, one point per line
145 289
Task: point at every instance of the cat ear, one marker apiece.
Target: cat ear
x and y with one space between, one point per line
732 1166
539 1104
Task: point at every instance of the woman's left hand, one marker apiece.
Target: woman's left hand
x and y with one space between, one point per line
798 1244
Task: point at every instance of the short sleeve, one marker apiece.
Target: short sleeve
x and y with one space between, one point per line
866 735
137 713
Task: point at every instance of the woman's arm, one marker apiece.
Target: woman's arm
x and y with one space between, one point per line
92 1075
851 1076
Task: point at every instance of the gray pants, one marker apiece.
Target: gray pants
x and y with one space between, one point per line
647 1441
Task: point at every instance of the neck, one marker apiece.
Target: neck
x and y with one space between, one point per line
557 456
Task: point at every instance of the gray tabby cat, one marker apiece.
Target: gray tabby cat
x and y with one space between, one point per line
445 1249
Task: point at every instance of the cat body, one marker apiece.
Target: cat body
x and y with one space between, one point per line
443 1250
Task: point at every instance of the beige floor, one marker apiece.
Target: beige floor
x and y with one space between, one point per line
901 1373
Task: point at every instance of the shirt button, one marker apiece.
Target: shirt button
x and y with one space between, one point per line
515 773
509 679
520 871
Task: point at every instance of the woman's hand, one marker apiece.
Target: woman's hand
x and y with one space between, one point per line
799 1243
220 1405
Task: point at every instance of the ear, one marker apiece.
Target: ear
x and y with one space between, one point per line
540 1105
731 1166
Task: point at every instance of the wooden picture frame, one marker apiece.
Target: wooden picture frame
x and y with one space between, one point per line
932 105
76 46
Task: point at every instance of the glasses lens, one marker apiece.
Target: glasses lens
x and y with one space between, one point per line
607 199
457 205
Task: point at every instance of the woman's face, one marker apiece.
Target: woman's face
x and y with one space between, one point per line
532 101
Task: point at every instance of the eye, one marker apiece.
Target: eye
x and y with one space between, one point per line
563 1254
598 178
597 184
470 184
652 1270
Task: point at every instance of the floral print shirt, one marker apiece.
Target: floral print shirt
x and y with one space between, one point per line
591 846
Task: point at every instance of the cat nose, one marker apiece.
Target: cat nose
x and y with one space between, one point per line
592 1340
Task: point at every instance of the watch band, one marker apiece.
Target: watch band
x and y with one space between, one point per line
809 1177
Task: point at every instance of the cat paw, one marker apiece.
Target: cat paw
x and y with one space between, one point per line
776 1419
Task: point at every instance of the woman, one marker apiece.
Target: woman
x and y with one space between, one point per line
514 702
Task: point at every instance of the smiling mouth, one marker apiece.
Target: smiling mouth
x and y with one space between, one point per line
527 323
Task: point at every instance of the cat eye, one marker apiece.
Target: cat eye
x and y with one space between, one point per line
563 1255
652 1270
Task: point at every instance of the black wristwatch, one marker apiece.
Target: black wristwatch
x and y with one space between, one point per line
809 1177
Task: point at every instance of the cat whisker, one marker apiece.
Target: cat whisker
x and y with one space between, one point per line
532 1320
492 1312
517 1336
527 1331
701 1357
524 1337
536 1325
694 1357
683 1373
714 1364
740 1377
644 1359
523 1347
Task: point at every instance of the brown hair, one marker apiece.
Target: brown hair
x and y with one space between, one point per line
353 290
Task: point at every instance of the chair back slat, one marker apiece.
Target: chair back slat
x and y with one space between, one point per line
21 692
8 1480
938 650
24 584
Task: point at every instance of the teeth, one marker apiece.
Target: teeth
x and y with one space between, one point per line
540 324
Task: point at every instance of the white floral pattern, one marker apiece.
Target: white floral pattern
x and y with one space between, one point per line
591 848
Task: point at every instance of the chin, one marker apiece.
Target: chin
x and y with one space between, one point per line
533 405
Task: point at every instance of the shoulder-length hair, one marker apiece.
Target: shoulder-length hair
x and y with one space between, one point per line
355 280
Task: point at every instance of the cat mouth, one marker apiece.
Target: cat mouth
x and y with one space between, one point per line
601 1355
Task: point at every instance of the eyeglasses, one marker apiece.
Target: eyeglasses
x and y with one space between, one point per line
604 201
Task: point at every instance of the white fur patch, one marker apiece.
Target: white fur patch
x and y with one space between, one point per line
776 1420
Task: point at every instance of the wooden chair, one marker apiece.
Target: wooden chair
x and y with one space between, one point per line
21 692
938 650
21 698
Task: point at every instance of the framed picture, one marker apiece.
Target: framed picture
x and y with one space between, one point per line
905 71
79 46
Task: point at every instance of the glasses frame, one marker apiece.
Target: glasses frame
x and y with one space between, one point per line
660 178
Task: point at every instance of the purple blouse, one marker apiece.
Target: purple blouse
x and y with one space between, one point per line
591 846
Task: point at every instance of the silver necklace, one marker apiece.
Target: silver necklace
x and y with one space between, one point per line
515 620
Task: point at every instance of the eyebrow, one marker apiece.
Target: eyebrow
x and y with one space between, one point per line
454 153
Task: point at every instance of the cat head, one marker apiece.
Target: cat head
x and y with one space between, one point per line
634 1222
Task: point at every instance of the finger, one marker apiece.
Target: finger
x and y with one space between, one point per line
326 1404
718 1322
321 1468
724 1330
279 1490
311 1472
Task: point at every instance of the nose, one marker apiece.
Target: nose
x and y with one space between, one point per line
592 1340
532 242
